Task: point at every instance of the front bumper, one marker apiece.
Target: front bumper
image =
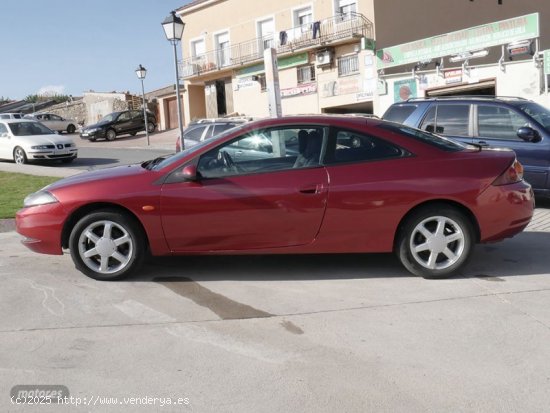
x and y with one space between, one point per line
42 226
92 135
67 153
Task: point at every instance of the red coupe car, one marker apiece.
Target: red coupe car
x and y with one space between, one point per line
302 184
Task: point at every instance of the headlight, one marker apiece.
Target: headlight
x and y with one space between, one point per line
42 147
39 198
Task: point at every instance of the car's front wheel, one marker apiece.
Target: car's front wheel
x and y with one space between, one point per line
107 245
435 241
71 129
19 156
110 135
150 127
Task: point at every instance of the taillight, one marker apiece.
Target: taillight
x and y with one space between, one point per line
512 174
178 145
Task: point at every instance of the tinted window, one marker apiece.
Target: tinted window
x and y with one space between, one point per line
222 127
453 120
356 147
29 128
194 133
499 122
428 138
428 124
399 113
124 116
537 112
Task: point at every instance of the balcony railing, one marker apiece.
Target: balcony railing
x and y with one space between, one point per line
323 32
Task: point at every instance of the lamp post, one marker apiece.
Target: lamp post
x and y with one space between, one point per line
173 29
141 72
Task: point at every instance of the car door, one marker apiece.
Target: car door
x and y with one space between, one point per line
138 121
123 123
452 120
6 146
254 204
497 127
56 123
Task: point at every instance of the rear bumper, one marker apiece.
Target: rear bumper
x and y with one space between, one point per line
505 211
41 226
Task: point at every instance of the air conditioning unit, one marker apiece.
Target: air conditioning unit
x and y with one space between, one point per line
324 57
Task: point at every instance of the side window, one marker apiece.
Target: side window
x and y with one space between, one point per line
265 150
357 147
55 117
3 129
195 133
498 122
453 120
124 117
399 113
428 124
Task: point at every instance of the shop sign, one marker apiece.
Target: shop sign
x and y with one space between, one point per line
452 76
282 63
404 89
462 41
305 89
546 55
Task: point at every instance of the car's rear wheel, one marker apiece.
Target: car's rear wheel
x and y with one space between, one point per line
107 245
133 133
19 156
71 129
150 127
435 241
110 135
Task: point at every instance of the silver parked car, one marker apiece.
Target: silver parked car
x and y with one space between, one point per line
55 122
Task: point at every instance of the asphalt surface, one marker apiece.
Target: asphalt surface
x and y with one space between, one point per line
332 333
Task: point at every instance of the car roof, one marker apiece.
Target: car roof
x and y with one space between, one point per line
18 120
486 98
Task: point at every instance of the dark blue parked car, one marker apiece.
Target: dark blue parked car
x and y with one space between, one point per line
515 123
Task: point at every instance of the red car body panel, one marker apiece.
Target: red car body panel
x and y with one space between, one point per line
354 207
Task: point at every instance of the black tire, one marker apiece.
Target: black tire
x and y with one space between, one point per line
68 160
151 127
106 260
133 133
110 135
71 129
92 139
19 156
435 241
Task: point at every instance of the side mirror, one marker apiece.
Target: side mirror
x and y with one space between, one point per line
189 173
529 134
4 135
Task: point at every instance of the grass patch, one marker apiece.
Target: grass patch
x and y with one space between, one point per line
15 187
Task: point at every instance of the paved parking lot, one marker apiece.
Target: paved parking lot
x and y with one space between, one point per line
350 333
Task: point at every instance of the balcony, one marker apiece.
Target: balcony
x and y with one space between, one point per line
324 32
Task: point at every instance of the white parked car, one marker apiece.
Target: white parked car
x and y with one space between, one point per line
11 115
26 140
55 122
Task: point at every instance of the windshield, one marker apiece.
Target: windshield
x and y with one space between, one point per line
426 137
176 157
109 118
537 112
29 129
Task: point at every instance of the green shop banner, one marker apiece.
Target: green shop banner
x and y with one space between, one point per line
462 41
282 63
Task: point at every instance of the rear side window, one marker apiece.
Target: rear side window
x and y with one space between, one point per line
195 133
427 138
352 146
453 120
222 127
399 113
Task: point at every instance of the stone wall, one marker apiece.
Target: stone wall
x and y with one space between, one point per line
70 110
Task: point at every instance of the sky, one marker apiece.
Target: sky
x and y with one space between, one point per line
73 46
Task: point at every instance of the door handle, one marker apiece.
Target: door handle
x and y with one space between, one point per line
311 189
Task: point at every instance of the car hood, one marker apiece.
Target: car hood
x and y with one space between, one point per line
96 125
99 175
52 139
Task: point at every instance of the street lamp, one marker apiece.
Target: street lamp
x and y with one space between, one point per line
141 72
173 28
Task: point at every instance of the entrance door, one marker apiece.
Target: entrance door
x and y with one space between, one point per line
172 113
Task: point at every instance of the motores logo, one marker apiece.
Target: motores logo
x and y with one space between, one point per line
38 394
